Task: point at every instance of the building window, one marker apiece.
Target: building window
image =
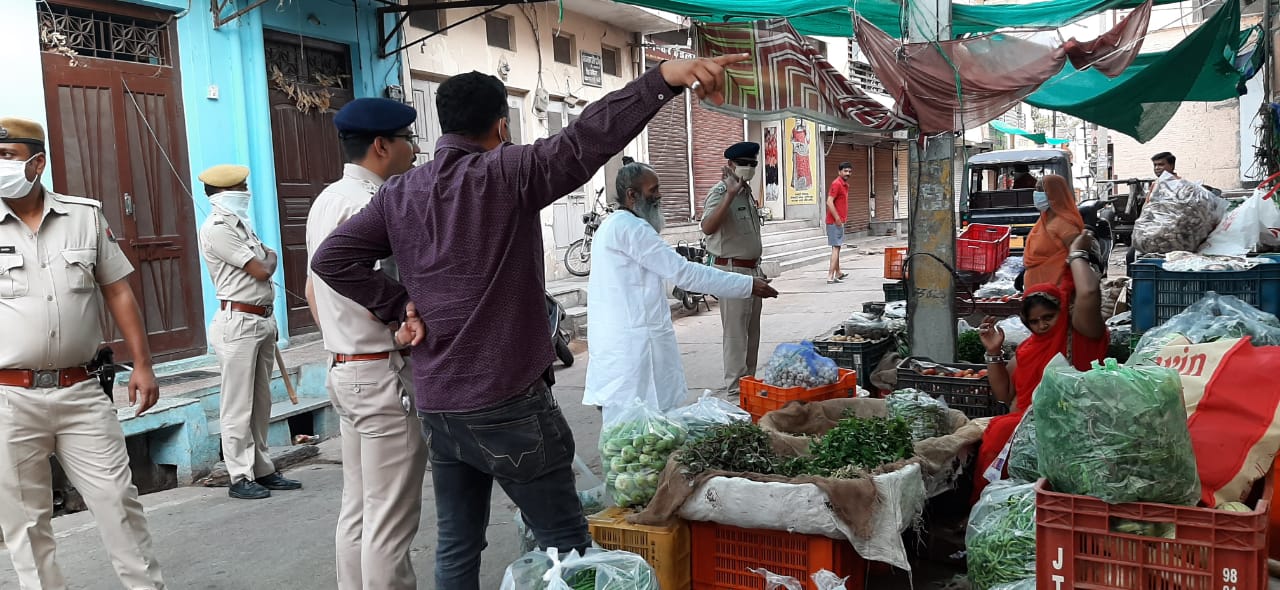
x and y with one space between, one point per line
430 21
498 29
610 61
562 48
865 77
104 35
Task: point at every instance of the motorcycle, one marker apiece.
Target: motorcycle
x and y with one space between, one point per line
560 335
577 258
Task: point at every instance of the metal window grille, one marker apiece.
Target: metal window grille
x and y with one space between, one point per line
107 36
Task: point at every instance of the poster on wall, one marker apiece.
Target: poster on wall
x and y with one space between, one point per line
799 136
772 168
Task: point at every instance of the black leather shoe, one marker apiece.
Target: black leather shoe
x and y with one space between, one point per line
244 489
275 481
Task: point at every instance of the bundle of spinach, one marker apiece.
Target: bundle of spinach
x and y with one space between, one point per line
865 443
1000 544
925 414
969 348
1117 433
736 447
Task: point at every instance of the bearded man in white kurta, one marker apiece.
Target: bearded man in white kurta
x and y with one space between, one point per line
634 353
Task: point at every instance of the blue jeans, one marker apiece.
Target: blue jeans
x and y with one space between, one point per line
527 447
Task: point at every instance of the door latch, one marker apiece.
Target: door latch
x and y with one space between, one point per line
128 204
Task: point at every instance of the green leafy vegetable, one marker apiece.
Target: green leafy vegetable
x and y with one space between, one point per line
866 443
1001 540
926 415
969 348
736 447
1116 433
1024 454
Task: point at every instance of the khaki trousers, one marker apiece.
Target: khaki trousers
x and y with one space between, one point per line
741 321
384 461
79 425
245 345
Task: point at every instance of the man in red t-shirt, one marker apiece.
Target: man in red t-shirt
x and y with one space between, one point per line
837 214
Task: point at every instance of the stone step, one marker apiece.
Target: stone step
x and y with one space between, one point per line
798 242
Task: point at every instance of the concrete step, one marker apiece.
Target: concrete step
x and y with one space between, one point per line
576 317
569 294
798 242
791 234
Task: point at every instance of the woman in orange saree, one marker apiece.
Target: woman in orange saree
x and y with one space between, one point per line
1047 245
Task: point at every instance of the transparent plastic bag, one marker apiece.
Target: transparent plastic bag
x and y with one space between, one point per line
597 570
1011 268
895 310
1024 455
1000 542
708 411
1015 332
634 447
799 365
1180 216
925 414
866 325
826 580
962 326
1213 318
1024 584
1116 433
774 581
996 288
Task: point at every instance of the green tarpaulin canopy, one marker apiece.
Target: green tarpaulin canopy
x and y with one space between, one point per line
1039 138
832 17
1207 66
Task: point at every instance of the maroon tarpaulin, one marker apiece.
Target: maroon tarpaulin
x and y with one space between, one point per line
964 83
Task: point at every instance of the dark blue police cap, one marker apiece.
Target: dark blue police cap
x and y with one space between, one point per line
747 150
369 116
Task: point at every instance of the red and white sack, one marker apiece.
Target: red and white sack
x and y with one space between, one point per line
1232 398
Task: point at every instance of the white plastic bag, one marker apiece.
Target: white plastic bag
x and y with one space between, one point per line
538 570
1239 231
708 411
774 581
826 580
1015 332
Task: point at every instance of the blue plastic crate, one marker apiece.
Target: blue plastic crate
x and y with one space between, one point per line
1160 294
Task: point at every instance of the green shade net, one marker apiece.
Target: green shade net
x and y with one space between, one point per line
831 17
1039 138
1207 66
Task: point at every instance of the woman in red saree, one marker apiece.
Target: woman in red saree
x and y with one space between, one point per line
1050 240
1059 324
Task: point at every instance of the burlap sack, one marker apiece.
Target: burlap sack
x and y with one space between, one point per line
885 375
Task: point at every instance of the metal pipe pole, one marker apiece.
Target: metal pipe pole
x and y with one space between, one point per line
931 196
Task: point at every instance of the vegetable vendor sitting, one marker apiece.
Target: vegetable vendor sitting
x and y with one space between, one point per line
634 354
1050 240
1060 323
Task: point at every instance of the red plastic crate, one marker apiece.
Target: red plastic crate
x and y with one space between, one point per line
759 399
982 248
1210 549
722 554
893 259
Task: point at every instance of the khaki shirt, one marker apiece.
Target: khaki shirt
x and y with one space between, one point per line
227 245
346 326
739 235
49 300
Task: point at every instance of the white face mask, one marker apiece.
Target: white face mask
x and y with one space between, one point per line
233 202
746 173
13 179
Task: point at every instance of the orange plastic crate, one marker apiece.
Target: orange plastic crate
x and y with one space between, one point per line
759 399
667 549
982 248
722 554
893 259
1210 549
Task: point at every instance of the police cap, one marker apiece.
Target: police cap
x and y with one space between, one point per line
14 130
224 175
373 116
743 150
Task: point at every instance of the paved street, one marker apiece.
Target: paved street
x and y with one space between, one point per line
206 541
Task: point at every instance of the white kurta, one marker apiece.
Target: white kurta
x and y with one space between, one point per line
633 352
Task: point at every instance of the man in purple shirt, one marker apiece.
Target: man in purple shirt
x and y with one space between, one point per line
466 232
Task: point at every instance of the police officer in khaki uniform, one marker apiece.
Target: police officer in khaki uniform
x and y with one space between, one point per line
383 455
732 220
56 255
243 333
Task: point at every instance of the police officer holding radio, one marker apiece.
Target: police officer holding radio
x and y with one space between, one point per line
243 333
56 255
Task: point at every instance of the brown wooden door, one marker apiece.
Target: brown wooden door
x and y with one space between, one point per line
307 153
116 134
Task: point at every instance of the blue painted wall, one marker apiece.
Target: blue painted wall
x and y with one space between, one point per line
236 127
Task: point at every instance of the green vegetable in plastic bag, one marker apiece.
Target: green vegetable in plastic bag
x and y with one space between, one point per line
925 414
1215 317
1116 433
1027 584
699 417
799 365
1024 457
597 570
1000 543
634 448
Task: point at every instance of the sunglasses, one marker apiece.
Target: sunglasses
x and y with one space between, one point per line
751 163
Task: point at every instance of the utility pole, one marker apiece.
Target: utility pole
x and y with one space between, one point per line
931 194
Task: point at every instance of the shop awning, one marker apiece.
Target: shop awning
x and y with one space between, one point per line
1039 138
